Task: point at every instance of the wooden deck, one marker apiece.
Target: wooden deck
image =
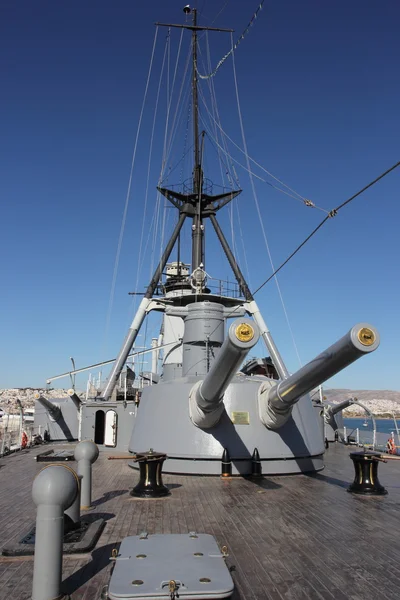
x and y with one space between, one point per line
289 538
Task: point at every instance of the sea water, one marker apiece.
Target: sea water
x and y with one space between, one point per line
382 425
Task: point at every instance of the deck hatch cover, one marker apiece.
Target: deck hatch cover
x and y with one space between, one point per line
190 561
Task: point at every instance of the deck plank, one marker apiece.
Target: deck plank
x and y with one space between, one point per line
289 538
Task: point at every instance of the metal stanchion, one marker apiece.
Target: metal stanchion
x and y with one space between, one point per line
54 489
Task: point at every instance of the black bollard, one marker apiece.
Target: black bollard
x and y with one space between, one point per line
256 468
226 464
366 474
150 483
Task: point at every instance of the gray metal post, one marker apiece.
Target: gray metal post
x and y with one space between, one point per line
4 435
21 422
140 314
277 359
86 453
72 516
232 260
54 489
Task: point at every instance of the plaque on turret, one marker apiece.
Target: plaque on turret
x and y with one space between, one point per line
240 418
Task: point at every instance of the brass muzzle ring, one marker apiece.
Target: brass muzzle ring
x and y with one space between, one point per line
366 336
244 332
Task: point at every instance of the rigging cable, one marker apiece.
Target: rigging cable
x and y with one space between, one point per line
146 196
220 12
297 196
153 224
185 150
214 107
180 104
258 206
306 202
213 21
331 214
128 193
166 151
229 168
169 96
229 174
176 165
234 46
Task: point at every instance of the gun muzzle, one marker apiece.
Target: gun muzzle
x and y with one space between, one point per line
206 397
276 402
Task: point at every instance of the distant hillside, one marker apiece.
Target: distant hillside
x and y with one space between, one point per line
378 401
27 396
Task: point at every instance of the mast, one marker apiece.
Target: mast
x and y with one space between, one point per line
195 104
197 205
198 227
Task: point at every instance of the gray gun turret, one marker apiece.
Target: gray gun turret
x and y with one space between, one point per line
206 396
276 401
75 398
331 410
53 410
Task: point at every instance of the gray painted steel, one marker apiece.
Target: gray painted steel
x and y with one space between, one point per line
75 398
319 411
52 409
126 415
331 421
254 311
163 423
332 427
334 420
332 409
203 337
225 366
276 402
141 313
66 427
194 561
206 397
86 453
54 489
73 513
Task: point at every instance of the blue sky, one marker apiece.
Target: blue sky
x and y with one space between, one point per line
319 91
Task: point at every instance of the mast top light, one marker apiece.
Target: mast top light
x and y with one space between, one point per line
187 9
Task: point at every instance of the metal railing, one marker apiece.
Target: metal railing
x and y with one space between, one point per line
11 433
373 440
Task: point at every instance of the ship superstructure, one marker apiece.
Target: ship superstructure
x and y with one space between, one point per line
201 406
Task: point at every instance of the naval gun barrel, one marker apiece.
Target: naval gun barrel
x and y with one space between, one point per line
275 403
330 411
53 410
206 397
75 398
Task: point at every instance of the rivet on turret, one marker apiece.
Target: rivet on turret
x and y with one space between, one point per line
226 464
256 469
